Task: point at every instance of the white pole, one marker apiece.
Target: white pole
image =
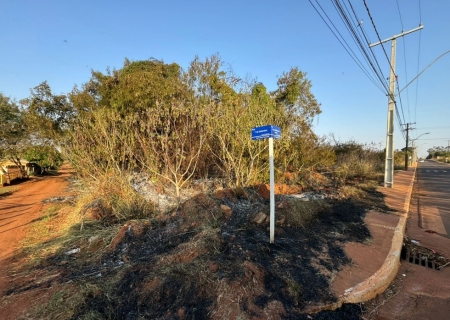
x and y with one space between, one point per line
389 160
389 163
272 193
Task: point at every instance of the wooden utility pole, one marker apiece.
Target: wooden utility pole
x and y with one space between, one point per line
407 142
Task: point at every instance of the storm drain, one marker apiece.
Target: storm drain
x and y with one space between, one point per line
420 259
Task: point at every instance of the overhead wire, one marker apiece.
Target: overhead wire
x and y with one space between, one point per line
359 37
385 53
440 127
398 115
358 41
404 59
406 75
366 38
341 40
437 139
418 61
378 35
420 12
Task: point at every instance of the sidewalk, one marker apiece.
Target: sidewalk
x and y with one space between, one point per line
375 264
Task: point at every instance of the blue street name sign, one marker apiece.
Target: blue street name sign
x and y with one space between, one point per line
265 132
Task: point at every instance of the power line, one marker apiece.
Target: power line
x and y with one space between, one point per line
404 57
356 38
426 128
379 39
436 139
399 119
367 40
401 20
346 46
385 53
352 54
378 36
359 37
401 104
418 64
420 12
418 60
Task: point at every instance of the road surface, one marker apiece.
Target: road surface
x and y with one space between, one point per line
434 196
17 211
419 292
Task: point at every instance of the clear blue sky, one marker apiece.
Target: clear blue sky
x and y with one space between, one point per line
62 41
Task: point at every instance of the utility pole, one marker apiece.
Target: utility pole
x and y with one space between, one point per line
389 163
407 142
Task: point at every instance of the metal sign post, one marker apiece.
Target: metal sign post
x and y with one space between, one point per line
269 132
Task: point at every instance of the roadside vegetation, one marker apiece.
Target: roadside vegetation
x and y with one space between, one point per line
441 154
170 215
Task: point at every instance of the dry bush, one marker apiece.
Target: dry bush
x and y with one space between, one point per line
399 160
116 199
354 160
299 212
350 192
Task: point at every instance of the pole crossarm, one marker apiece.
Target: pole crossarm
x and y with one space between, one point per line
404 33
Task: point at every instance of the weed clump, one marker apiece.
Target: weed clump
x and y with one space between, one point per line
114 200
299 213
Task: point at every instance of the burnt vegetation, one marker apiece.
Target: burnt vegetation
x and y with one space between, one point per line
198 262
171 222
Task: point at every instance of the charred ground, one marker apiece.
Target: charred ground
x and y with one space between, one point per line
208 259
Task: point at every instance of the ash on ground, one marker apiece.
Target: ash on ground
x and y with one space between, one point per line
210 258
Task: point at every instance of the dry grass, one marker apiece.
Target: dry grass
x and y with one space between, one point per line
66 304
119 200
184 267
8 190
351 192
299 213
59 229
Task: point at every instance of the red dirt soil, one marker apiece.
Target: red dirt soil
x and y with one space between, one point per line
17 211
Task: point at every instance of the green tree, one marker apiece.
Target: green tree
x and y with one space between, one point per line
142 117
295 96
178 125
13 136
48 116
47 157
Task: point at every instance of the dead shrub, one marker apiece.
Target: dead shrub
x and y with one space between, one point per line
201 209
299 212
113 199
354 160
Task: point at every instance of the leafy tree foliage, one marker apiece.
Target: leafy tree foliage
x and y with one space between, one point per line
438 151
48 116
21 136
178 124
13 133
47 157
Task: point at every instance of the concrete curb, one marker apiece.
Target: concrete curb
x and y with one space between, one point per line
380 280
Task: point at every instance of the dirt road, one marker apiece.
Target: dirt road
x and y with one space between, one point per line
20 209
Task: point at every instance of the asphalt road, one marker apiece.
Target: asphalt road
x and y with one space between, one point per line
434 196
